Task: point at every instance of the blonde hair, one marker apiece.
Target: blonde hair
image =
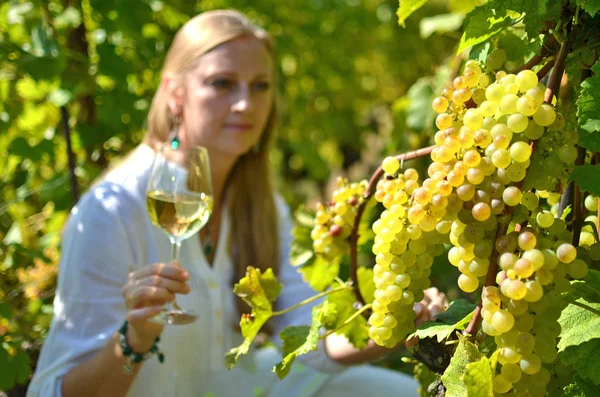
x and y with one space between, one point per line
254 227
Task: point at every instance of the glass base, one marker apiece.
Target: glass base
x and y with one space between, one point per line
175 316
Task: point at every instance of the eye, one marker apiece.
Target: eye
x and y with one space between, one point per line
221 83
262 86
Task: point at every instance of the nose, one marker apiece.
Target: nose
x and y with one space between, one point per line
242 99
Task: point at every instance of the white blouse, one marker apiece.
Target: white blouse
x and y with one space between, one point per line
108 235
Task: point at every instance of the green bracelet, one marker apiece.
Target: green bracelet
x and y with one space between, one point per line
133 357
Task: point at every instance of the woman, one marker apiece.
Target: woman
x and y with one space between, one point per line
217 92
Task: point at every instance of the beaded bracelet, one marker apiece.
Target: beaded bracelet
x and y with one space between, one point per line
133 357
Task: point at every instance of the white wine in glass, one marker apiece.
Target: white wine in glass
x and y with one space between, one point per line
180 201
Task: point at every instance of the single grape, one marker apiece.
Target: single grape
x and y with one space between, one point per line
440 104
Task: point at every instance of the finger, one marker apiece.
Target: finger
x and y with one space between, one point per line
173 286
434 310
419 309
138 319
167 270
431 293
144 294
140 315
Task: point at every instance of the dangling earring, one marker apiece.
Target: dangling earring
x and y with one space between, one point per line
174 134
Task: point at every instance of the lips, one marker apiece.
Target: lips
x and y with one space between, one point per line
239 126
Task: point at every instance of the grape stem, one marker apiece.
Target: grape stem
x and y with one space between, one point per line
312 299
551 91
361 209
348 321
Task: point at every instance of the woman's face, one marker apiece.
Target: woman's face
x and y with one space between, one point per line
226 100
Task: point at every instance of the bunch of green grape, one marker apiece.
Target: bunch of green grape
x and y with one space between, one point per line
404 254
334 221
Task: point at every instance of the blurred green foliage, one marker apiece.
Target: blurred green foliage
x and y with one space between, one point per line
345 67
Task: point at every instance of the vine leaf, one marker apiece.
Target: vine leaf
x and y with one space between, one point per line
13 369
584 358
319 273
407 7
259 291
588 111
301 250
578 325
366 284
341 303
457 317
580 388
588 288
489 19
586 177
301 340
591 6
478 378
466 353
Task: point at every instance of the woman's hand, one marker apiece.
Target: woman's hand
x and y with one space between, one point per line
432 304
145 292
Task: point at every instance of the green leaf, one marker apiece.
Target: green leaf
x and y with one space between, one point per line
578 324
341 308
588 178
462 6
5 311
483 23
478 378
407 7
491 18
366 285
259 291
580 388
591 6
420 114
466 353
301 250
318 273
21 364
441 23
480 52
588 288
588 111
457 317
300 340
584 358
7 375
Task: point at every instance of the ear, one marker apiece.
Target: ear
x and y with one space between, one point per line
174 93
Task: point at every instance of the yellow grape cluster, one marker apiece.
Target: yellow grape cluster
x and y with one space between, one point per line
483 152
523 312
334 221
404 254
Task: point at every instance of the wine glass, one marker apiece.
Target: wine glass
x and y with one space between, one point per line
180 201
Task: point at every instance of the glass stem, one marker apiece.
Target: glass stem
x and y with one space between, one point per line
175 248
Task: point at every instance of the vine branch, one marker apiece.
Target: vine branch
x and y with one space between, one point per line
361 209
311 299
